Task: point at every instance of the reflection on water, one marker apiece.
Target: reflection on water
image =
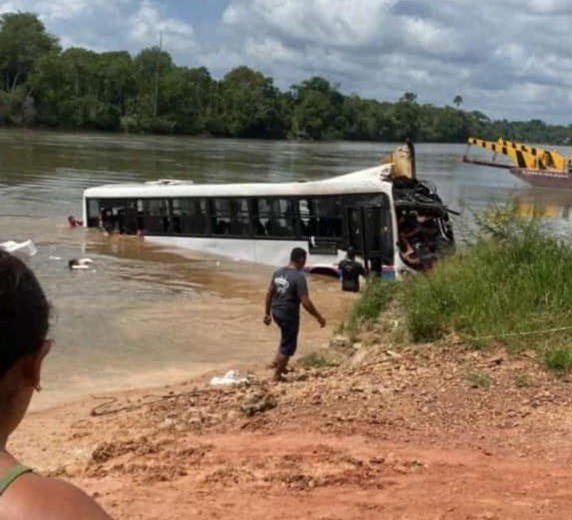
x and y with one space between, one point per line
146 315
551 204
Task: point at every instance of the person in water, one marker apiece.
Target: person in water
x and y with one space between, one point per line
74 222
24 317
350 271
287 290
80 263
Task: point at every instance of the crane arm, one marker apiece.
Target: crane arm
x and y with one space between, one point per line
525 156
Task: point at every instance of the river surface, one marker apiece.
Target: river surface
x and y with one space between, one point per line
146 316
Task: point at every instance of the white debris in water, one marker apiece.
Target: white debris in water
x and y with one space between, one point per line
27 246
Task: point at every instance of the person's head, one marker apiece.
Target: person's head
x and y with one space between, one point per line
24 321
71 219
72 262
298 257
351 252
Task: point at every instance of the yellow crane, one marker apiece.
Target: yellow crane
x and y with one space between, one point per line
522 156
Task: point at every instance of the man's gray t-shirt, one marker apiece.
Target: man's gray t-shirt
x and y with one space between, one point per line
289 287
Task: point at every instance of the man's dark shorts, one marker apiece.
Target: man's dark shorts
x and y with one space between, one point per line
289 328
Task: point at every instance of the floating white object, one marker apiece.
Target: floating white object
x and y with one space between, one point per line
81 263
27 246
230 378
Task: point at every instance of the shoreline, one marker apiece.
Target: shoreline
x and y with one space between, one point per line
388 433
141 382
213 325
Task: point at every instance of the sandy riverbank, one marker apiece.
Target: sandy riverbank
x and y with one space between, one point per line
415 434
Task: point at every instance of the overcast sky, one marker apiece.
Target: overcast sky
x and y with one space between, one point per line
509 59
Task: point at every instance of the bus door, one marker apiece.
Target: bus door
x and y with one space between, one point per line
354 224
365 225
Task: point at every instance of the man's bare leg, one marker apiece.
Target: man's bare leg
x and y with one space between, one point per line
280 366
276 361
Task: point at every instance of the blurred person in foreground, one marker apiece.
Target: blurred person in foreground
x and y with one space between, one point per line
24 320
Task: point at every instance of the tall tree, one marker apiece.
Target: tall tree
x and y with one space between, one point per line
407 112
23 41
186 97
80 88
151 66
252 104
318 109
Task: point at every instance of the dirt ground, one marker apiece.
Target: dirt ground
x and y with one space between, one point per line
426 432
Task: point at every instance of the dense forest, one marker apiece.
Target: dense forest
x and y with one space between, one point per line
42 85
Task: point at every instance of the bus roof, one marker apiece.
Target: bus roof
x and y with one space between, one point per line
363 181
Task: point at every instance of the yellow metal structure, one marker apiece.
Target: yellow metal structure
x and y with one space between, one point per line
526 156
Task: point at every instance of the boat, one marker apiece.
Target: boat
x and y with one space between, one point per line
261 222
534 165
544 178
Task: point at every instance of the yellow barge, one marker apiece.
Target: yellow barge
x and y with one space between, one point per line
532 164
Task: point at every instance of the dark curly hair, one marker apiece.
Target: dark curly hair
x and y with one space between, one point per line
24 311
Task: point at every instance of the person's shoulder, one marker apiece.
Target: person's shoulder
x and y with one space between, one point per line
276 273
279 270
36 497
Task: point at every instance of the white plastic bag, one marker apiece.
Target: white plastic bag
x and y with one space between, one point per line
230 378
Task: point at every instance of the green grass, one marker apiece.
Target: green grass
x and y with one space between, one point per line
512 285
375 298
315 360
559 359
522 381
480 380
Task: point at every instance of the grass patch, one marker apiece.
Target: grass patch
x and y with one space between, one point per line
375 298
511 286
559 360
480 380
315 360
522 381
512 283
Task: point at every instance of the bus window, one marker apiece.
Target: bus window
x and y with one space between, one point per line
155 216
308 220
130 217
189 216
230 217
239 217
220 216
275 218
328 212
92 216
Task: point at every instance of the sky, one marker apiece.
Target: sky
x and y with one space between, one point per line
509 59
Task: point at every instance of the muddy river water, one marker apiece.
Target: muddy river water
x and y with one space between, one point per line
145 316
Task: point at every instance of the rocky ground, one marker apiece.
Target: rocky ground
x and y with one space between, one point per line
426 432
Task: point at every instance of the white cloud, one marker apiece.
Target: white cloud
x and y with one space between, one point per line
343 23
70 9
544 7
147 24
110 25
510 59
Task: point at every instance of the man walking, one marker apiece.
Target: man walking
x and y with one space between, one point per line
287 290
350 271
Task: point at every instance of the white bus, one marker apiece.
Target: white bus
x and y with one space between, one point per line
262 222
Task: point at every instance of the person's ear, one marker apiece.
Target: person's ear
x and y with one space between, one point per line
33 363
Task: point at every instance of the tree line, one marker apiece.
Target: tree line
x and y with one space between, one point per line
42 85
